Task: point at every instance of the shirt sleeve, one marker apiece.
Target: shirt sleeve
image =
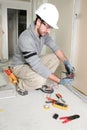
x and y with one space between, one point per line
29 52
51 43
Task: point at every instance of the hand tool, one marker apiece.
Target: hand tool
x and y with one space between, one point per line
57 104
55 115
71 75
69 118
60 97
46 89
14 79
51 100
60 106
46 107
68 79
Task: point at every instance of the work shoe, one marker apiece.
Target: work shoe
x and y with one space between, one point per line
22 92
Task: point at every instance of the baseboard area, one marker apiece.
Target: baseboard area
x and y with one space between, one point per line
77 92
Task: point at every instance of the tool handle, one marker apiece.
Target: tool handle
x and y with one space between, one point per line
73 117
7 72
59 95
65 117
51 99
12 77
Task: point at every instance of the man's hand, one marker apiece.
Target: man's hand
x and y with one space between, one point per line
69 68
66 81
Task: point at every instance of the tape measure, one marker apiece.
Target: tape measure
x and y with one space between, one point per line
46 107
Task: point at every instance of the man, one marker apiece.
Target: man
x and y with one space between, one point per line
31 69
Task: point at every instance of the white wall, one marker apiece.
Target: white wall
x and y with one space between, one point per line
64 33
80 51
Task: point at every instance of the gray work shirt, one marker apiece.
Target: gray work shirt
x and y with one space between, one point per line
29 49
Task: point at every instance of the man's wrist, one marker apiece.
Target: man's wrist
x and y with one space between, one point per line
66 62
58 81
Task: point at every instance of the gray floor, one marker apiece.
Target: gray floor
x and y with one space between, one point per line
28 113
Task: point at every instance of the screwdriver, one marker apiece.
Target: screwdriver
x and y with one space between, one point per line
60 97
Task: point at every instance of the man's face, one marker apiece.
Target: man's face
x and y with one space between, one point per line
43 28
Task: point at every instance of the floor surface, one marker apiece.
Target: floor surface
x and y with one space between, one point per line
28 113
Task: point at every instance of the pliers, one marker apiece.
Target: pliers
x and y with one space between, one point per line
55 102
69 118
69 75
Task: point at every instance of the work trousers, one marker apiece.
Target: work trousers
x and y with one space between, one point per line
29 79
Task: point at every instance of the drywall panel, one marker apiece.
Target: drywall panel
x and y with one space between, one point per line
80 51
64 33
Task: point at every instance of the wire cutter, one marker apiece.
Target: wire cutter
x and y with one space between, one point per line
57 104
67 119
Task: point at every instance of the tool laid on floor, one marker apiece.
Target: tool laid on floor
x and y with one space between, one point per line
59 96
67 119
46 107
51 100
55 115
60 106
46 89
57 104
13 79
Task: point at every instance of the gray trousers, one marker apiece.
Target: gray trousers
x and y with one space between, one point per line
29 79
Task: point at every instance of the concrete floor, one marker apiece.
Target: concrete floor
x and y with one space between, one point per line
28 113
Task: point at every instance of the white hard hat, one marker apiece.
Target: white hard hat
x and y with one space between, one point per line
49 13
